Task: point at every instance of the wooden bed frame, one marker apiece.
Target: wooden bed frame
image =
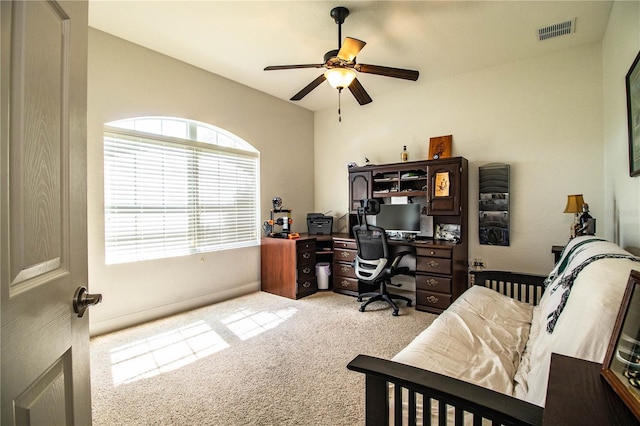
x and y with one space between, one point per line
464 397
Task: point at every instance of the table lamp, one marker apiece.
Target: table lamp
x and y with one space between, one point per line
574 205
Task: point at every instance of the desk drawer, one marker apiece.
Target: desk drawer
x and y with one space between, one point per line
343 255
306 256
349 245
428 299
306 285
433 283
345 283
306 271
433 265
302 245
344 270
433 252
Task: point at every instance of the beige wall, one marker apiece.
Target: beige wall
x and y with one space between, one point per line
558 119
126 80
622 193
541 115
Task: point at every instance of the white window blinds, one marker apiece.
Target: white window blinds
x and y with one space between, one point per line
168 197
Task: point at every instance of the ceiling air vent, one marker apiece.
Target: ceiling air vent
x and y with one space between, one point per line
557 30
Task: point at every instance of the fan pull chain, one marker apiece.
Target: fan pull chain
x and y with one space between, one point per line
339 105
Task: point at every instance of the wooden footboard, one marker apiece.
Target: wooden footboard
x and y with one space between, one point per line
455 401
480 403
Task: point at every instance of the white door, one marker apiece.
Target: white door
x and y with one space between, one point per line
43 236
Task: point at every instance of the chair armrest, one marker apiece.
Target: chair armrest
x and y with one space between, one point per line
398 257
481 402
526 288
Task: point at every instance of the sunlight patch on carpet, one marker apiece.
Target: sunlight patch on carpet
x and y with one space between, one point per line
246 323
164 352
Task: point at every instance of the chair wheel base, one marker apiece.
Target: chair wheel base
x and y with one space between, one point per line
361 308
395 313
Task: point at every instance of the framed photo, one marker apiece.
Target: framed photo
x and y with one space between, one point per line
447 232
621 366
633 116
440 147
442 182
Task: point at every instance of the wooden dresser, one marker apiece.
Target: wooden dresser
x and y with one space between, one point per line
289 266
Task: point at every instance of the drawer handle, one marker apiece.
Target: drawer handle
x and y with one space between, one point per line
433 264
344 283
344 269
432 253
306 255
432 299
344 254
306 270
306 284
432 282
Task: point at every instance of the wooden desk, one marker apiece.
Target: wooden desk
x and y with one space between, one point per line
440 270
288 267
578 395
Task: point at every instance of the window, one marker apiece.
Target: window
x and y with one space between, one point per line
174 187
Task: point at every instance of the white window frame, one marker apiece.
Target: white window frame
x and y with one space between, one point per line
166 196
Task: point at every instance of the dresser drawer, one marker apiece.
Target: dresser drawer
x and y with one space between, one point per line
349 245
434 265
433 283
428 299
433 252
345 283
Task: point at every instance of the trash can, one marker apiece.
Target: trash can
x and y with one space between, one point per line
323 270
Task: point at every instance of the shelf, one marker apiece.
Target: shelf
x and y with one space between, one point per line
377 194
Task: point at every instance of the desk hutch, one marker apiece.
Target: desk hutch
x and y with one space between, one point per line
441 266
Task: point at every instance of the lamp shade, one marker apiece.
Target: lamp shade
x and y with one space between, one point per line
574 203
339 78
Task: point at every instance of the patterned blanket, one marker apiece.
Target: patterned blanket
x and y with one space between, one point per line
577 255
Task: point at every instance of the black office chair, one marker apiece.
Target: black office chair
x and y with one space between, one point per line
373 263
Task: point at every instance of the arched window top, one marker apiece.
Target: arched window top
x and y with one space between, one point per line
184 129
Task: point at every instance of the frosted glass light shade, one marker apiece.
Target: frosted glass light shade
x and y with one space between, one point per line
339 78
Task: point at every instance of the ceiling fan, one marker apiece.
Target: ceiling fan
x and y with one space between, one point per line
341 63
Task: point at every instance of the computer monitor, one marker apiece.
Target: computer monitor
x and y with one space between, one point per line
403 218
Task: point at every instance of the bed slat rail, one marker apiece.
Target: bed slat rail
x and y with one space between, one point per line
481 403
523 287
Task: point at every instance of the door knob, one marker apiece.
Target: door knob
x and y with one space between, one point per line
82 300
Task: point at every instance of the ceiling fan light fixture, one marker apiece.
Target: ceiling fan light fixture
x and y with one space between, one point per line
340 78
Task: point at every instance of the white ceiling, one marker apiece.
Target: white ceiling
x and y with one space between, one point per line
237 39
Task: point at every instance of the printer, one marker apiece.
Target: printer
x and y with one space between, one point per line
318 223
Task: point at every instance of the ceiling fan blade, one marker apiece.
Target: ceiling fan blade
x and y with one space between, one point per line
359 93
308 88
350 48
388 71
292 67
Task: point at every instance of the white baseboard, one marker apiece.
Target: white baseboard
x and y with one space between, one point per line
124 321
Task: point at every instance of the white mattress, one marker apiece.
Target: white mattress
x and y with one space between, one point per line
480 339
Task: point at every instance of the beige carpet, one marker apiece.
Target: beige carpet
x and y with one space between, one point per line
256 360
